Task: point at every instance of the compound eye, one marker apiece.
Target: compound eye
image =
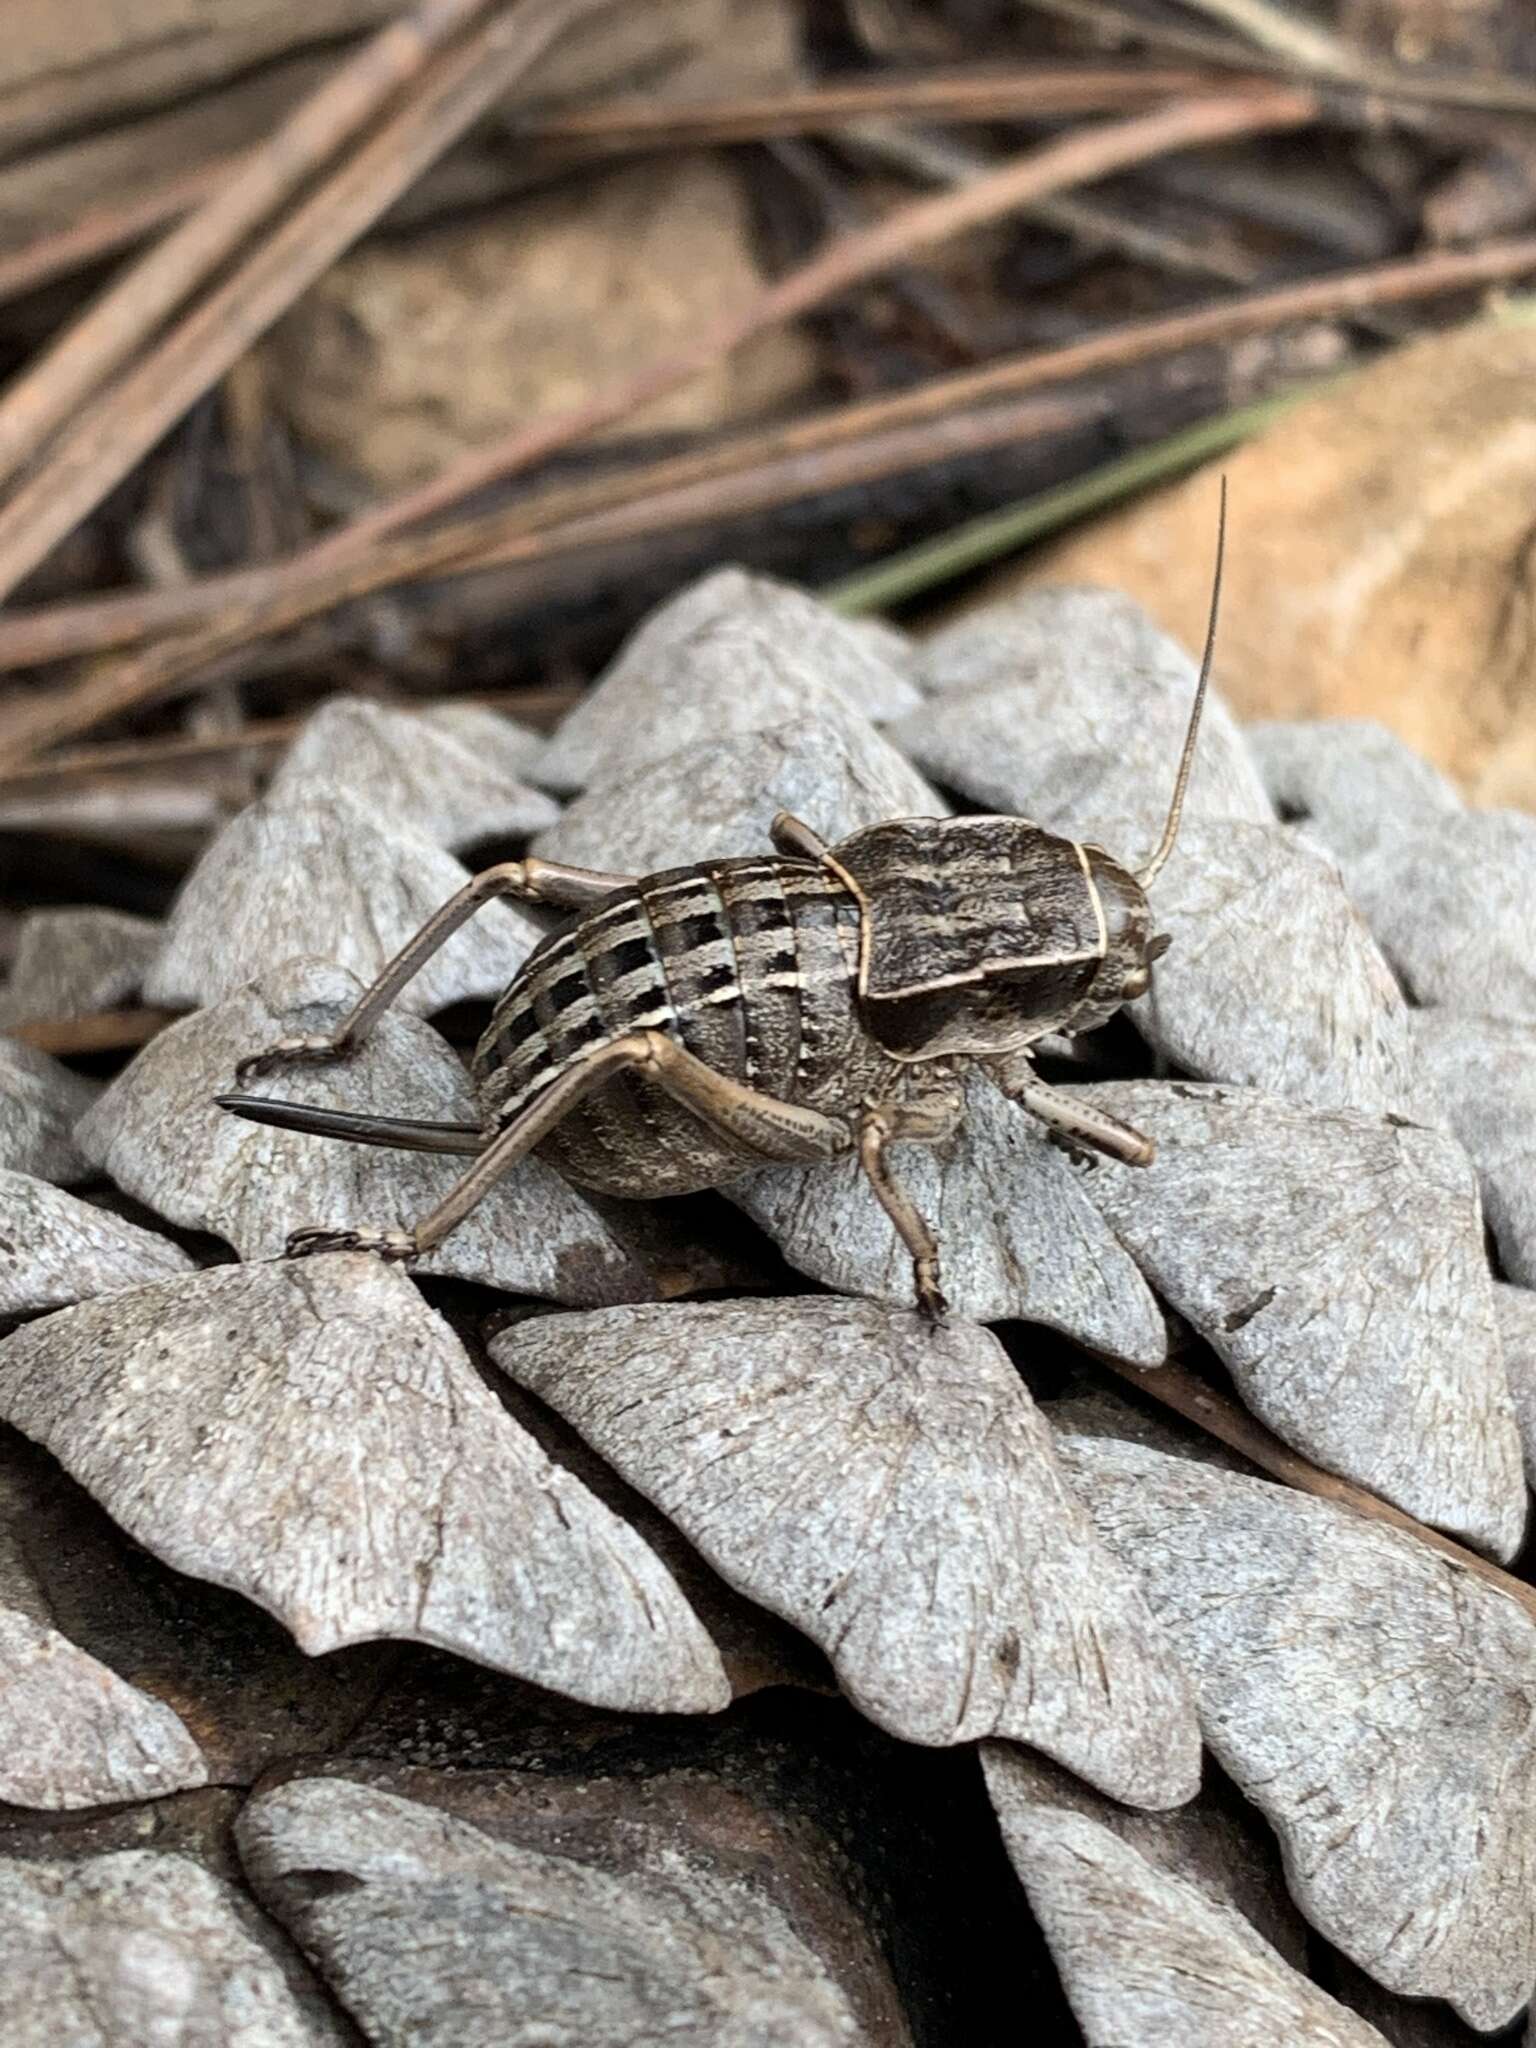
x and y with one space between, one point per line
1135 984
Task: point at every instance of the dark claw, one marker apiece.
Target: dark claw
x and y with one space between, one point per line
289 1052
385 1244
931 1304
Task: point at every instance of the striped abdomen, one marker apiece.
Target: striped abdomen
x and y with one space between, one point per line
749 964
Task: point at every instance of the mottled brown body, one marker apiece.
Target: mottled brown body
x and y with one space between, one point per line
751 965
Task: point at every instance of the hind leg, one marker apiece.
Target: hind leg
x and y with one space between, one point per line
533 881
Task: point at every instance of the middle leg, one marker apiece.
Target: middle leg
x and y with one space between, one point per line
927 1121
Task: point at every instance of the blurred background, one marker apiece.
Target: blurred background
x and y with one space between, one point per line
406 351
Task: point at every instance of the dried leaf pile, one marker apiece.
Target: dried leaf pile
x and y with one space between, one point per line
573 1477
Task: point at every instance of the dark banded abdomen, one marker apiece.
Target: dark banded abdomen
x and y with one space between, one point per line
749 964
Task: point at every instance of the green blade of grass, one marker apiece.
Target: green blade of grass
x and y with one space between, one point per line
988 539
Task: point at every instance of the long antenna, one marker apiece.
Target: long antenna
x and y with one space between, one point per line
1147 875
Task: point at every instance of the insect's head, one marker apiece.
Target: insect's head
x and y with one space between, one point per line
980 934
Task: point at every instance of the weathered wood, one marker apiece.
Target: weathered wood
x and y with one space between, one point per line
1273 979
70 962
718 797
1515 1308
73 1733
1347 782
454 776
1335 1263
1069 707
730 653
55 1250
311 1435
1453 903
931 1550
1370 1697
436 1932
1483 1069
1019 1234
158 1131
39 1104
324 871
137 1947
1150 1942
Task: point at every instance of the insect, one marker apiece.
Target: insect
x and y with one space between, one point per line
803 1005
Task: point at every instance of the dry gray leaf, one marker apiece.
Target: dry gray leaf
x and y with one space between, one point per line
72 1732
1453 902
327 873
452 779
1335 1263
1484 1071
160 1134
55 1250
1273 979
732 653
71 962
1070 707
1370 1696
718 797
1146 1953
311 1435
1515 1308
1019 1236
40 1102
143 1950
1349 782
891 1491
436 1933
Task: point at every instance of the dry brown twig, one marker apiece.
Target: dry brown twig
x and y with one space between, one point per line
124 420
1176 1388
98 625
1073 160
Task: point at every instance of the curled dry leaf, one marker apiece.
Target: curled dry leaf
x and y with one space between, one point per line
1371 1697
160 1134
311 1435
1335 1263
454 777
1349 782
732 653
892 1491
71 962
1453 903
138 1947
72 1732
55 1250
324 872
718 797
39 1104
1070 707
434 1931
1273 979
1149 1951
1019 1235
1515 1308
1484 1071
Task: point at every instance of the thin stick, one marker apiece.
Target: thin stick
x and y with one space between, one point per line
164 669
135 304
123 761
126 420
997 534
100 1031
1176 1388
98 625
60 251
1076 159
